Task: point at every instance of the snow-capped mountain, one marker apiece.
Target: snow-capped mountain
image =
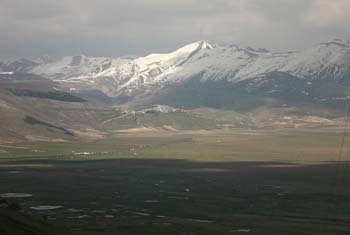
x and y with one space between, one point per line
204 62
231 63
76 66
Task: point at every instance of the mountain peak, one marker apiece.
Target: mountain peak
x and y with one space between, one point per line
196 46
205 45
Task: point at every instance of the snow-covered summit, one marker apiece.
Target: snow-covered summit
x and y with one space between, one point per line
76 66
208 61
153 67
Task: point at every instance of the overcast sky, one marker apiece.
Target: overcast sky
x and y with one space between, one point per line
31 28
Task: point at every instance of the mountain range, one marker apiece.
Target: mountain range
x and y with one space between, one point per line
253 85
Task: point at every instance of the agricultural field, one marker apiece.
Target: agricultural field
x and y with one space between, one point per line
148 181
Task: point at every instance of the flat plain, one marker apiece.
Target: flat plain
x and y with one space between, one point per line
157 181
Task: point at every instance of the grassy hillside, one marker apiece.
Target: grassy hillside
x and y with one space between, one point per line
35 111
52 95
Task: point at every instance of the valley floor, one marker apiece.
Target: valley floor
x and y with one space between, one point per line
186 182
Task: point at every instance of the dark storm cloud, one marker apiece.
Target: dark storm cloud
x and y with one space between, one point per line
117 27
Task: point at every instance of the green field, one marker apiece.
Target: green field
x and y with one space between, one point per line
187 182
215 146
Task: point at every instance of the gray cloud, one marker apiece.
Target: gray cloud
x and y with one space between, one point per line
118 27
